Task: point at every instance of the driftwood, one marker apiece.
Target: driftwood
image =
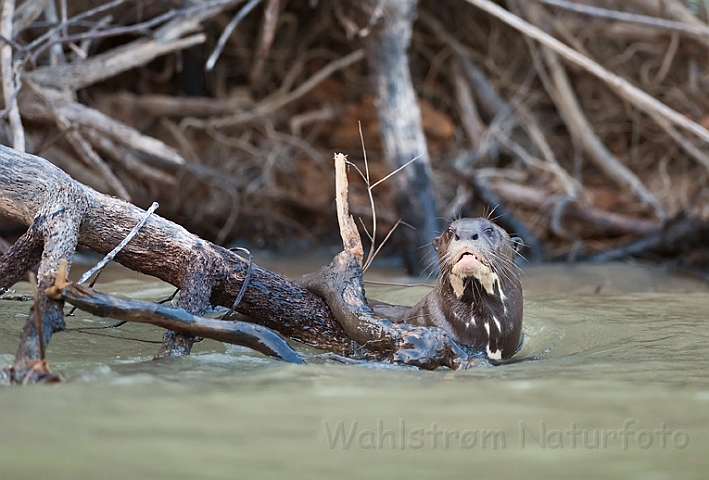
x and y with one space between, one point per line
62 214
177 319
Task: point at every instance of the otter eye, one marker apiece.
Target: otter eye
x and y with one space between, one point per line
488 231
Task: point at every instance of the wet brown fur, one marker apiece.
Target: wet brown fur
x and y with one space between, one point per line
482 313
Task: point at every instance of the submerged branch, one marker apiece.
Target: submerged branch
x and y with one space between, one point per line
179 320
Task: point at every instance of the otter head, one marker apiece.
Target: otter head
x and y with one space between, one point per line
475 249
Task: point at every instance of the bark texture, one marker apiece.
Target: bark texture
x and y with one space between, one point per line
63 213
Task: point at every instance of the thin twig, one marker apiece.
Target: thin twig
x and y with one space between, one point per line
272 104
245 283
227 33
374 249
170 298
74 20
376 252
373 236
366 231
628 17
268 33
37 48
279 100
89 331
396 171
110 255
144 28
683 142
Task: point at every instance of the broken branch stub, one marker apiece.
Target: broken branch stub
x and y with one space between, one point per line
348 227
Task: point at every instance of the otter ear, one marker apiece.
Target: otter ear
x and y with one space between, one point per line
436 242
517 243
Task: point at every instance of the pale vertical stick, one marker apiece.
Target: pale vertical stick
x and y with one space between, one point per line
348 228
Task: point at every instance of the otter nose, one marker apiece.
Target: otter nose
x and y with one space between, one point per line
466 234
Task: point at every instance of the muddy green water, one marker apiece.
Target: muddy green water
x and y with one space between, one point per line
620 389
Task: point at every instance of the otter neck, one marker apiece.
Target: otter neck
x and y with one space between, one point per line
472 291
477 314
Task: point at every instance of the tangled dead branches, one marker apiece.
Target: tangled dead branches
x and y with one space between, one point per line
584 122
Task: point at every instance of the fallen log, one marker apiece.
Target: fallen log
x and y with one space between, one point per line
62 214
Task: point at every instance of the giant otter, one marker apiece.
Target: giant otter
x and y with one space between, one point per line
477 299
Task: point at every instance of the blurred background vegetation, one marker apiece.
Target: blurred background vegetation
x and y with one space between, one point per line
229 112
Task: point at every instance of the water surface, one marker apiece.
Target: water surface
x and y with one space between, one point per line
618 388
